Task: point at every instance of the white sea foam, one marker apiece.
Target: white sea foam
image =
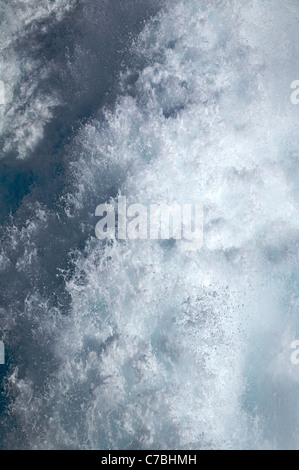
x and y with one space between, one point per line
27 108
168 349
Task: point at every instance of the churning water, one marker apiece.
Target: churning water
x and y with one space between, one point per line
140 344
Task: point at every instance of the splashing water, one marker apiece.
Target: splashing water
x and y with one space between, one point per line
142 344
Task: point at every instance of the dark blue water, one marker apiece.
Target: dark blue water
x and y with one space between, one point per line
137 344
84 83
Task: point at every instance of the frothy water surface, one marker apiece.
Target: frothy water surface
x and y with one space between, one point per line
142 345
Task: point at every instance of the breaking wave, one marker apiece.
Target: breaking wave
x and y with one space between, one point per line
142 345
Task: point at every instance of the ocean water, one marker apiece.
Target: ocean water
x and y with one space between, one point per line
142 344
